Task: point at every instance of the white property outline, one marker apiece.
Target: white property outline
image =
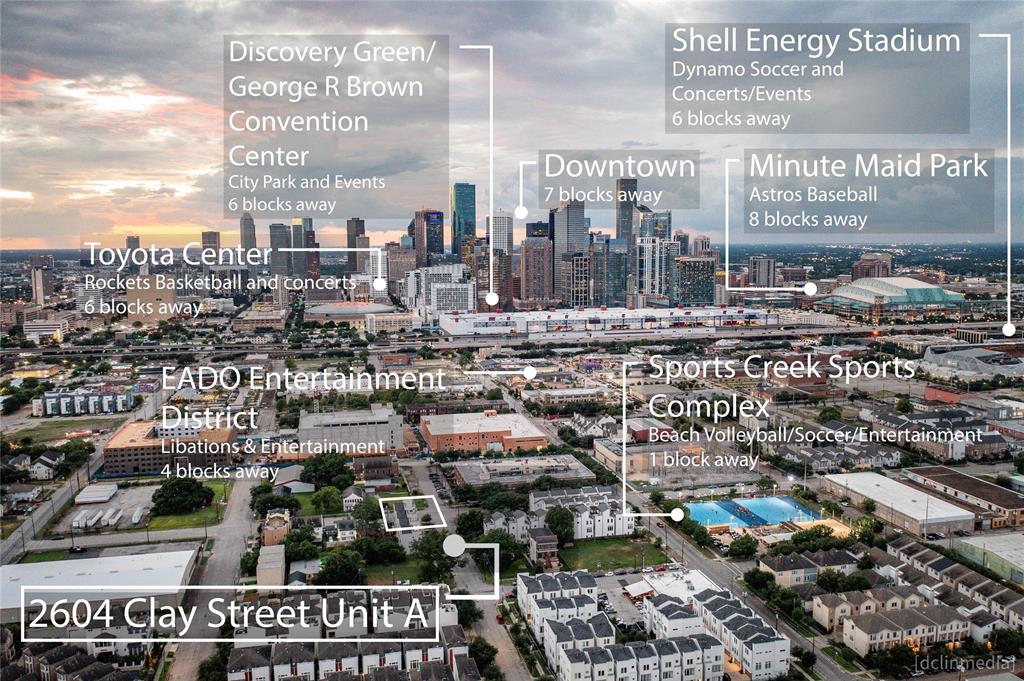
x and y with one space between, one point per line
1009 195
437 505
436 588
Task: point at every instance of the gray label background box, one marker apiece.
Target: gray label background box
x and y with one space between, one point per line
677 192
908 92
406 143
921 206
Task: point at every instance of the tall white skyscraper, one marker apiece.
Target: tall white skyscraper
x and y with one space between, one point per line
499 227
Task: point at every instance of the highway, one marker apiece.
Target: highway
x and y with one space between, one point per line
456 343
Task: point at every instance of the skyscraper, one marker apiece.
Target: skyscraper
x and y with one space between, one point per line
211 239
762 271
429 235
625 203
570 237
700 246
684 242
575 271
647 222
362 256
463 214
280 261
312 257
654 260
609 267
42 284
247 236
299 258
872 265
538 229
692 281
499 229
535 271
132 241
354 228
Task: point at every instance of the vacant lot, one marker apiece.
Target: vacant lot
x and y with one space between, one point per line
55 428
380 575
211 515
611 554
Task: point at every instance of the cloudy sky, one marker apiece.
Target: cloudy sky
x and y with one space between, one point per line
112 112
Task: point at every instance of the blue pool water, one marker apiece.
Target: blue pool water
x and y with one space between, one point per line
750 512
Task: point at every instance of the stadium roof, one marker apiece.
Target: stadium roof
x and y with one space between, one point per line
893 291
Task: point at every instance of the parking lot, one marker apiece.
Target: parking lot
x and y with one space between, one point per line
127 499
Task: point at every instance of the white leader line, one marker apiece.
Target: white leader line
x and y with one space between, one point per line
490 170
799 289
1009 155
522 164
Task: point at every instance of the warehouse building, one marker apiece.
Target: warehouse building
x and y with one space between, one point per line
155 575
521 471
366 432
480 431
901 505
1003 507
1001 553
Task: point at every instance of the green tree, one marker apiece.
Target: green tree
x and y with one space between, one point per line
341 567
743 547
657 497
267 502
482 652
560 521
469 612
328 469
868 506
758 580
904 406
180 495
436 566
508 549
300 543
470 524
326 500
830 414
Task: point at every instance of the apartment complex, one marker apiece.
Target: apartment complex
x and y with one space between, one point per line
917 628
829 610
138 447
759 650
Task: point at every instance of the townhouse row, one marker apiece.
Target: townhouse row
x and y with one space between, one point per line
406 655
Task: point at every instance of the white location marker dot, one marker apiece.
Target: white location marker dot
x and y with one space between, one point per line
810 288
454 545
380 284
491 298
1009 329
530 373
677 514
521 212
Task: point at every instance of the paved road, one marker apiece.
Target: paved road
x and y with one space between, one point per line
221 569
468 577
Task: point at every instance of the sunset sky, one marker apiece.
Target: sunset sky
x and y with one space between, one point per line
112 113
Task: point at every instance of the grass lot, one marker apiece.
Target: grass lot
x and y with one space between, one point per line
380 575
612 554
9 525
206 516
43 556
55 430
306 501
833 652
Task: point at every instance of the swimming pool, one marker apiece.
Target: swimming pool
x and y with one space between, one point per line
750 512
